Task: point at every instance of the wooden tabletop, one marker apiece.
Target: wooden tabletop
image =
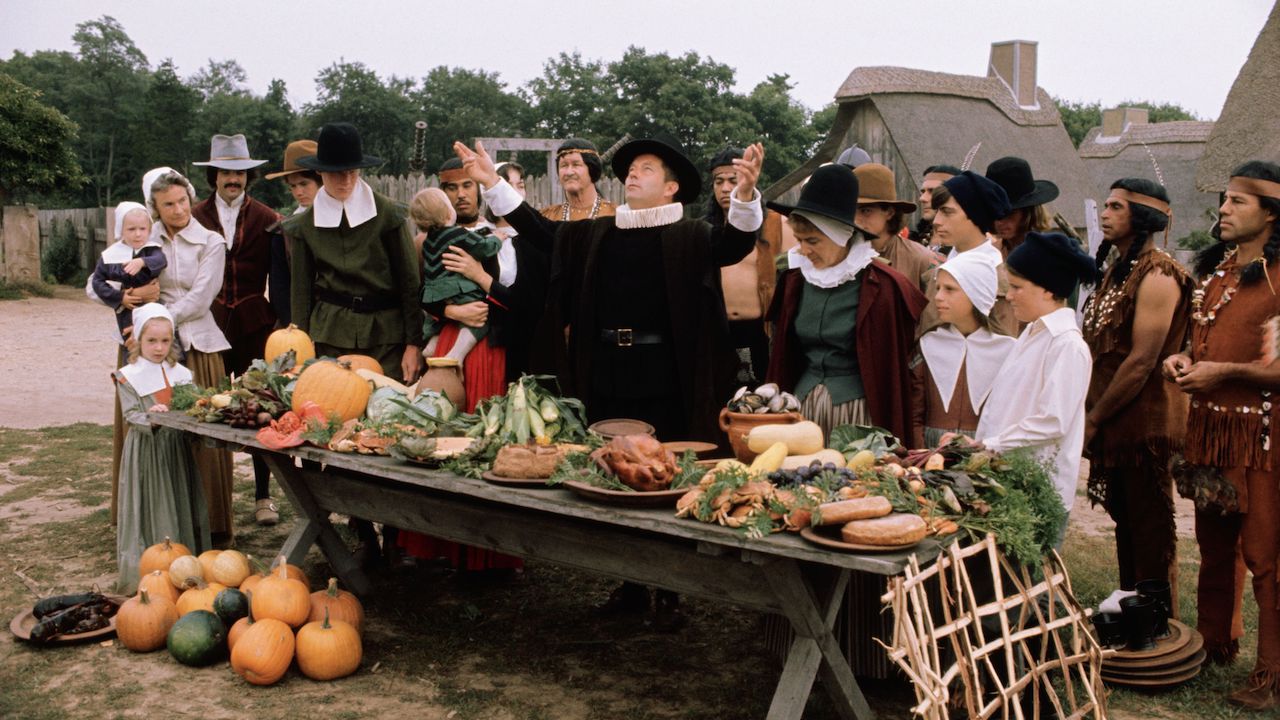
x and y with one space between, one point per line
560 501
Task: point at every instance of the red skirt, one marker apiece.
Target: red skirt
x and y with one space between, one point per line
483 375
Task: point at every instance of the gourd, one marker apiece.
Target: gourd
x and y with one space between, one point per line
793 462
143 622
769 460
290 338
160 555
230 605
206 559
157 584
328 649
238 627
334 387
338 604
230 568
802 438
359 362
263 653
199 596
183 569
280 597
197 638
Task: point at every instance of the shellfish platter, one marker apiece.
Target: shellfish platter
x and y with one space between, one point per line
767 398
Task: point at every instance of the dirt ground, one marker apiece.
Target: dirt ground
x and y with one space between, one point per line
66 340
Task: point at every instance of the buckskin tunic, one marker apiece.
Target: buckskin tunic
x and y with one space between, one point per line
1229 433
1130 451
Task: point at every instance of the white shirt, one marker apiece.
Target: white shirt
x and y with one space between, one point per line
327 212
227 215
1037 400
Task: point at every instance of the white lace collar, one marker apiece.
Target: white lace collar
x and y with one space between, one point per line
628 219
860 256
327 211
981 354
146 377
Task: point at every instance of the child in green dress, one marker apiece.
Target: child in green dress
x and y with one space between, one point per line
160 491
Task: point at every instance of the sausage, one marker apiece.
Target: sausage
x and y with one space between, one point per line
843 511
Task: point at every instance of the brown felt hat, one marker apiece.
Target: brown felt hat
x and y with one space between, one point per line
876 186
295 150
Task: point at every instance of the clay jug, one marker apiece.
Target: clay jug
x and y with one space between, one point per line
444 375
736 425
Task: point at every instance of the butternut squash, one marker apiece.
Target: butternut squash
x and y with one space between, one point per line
802 438
769 460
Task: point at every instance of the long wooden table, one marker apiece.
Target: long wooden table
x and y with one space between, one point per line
780 574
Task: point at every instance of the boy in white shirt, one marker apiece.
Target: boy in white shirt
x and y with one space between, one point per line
1038 398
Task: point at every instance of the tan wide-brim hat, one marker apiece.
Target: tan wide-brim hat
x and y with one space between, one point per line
876 186
296 149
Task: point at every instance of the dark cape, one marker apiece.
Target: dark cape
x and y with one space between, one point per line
692 255
884 334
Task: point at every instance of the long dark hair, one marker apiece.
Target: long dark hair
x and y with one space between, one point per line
1143 222
1208 259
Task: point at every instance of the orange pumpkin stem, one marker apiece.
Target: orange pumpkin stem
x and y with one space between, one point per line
333 590
326 625
143 597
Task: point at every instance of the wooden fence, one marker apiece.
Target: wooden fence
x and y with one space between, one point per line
91 226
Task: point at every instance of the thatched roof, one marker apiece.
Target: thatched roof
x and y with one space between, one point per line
1249 126
937 117
1177 148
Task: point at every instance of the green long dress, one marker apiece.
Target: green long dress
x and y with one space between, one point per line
160 492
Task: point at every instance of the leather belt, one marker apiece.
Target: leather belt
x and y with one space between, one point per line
626 337
360 304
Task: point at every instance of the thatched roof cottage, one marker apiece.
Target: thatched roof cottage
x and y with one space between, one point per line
1126 145
910 119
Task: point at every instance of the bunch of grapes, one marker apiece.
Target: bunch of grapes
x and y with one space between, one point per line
828 475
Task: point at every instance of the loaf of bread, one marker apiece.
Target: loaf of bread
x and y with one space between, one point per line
843 511
527 461
895 529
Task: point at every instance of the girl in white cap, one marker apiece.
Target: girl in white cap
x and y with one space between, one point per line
958 361
160 491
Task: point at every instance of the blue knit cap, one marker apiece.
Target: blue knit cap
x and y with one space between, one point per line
1053 261
981 199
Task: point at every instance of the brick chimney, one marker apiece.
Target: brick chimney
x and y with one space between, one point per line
1116 120
1014 62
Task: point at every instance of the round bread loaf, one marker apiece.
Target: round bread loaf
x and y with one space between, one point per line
895 529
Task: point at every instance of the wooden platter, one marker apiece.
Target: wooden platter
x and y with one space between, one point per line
1158 683
659 498
1189 663
609 429
699 448
488 476
1179 637
1177 657
24 621
830 539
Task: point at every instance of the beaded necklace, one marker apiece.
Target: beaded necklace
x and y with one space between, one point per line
595 209
1198 314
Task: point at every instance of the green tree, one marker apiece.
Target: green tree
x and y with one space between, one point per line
36 145
267 123
462 104
570 99
1079 117
383 112
107 102
783 126
220 77
169 110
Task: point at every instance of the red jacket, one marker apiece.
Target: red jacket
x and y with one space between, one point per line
241 308
884 333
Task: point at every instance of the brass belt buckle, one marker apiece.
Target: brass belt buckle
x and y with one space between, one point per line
625 337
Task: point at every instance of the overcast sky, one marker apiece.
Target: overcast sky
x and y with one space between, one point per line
1182 51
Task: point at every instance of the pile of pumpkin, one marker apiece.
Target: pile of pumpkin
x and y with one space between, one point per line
202 608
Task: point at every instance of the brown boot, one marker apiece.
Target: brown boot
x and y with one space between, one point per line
1255 696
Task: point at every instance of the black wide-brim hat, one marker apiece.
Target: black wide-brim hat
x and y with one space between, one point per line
339 149
832 191
672 154
1024 191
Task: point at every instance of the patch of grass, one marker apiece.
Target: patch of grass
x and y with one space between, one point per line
18 290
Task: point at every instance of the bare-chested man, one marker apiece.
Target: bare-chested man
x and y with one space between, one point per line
747 284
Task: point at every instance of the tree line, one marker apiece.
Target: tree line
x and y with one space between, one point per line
129 116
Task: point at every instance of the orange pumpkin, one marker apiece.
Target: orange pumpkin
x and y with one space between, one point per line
339 604
293 571
280 597
199 596
230 568
362 361
328 649
160 555
335 388
143 622
157 584
206 559
263 653
239 626
183 569
291 338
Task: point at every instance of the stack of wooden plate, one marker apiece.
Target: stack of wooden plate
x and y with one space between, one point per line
1173 661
